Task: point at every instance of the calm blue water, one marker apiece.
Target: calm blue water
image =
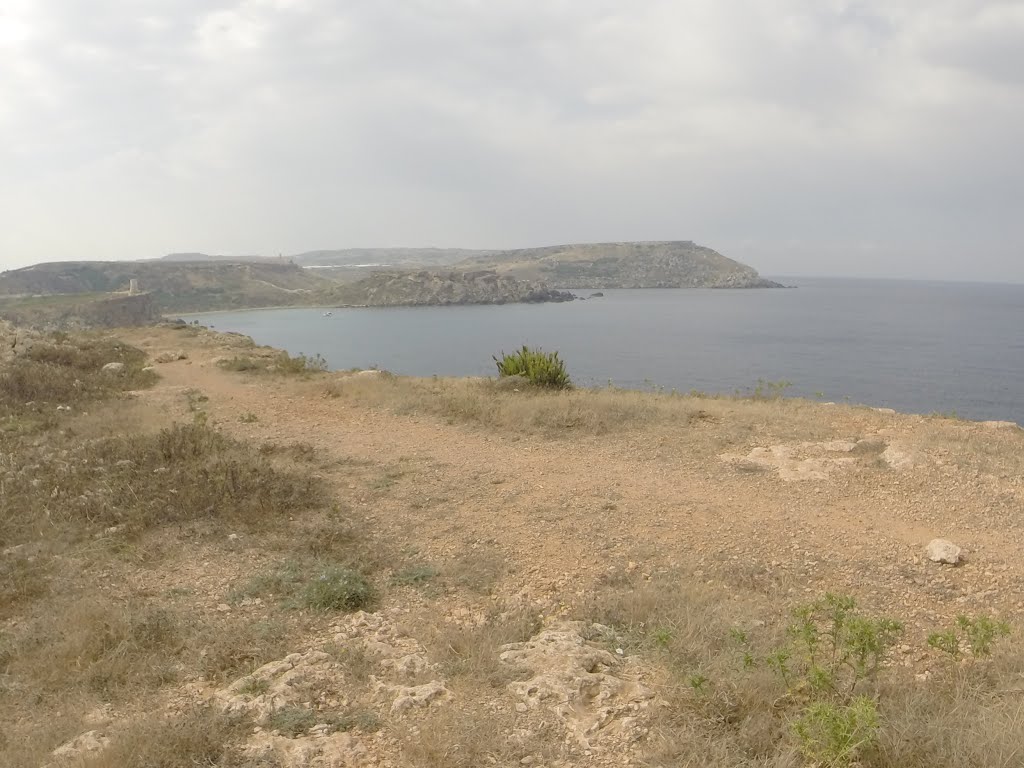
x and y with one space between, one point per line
912 346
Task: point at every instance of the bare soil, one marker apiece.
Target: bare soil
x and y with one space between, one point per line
563 509
555 575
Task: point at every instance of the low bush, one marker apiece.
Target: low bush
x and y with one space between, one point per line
542 369
338 589
187 472
66 374
201 737
309 584
821 690
281 362
291 721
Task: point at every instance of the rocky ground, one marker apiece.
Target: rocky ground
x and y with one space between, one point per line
506 549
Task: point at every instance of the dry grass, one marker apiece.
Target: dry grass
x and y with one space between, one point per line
491 405
61 372
972 449
94 643
80 633
198 738
98 500
488 404
181 473
478 570
722 712
469 738
966 718
470 652
278 362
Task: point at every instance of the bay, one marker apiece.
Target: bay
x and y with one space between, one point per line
914 346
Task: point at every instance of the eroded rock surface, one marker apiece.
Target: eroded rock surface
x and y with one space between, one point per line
590 690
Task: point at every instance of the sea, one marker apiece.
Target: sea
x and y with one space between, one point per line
917 347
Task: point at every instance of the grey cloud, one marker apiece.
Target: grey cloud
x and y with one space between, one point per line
840 137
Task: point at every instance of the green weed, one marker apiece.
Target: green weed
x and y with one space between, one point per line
836 734
978 635
543 369
338 589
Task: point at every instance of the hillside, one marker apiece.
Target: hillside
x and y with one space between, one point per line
175 286
214 554
674 264
80 310
195 282
195 256
425 288
389 257
678 264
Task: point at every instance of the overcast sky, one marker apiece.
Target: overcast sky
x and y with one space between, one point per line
874 138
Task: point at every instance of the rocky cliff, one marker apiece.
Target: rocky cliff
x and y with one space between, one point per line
442 288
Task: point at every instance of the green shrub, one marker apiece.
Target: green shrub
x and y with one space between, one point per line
543 369
978 634
291 721
338 589
832 647
835 735
832 652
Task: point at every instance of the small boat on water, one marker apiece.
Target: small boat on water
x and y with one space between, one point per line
328 314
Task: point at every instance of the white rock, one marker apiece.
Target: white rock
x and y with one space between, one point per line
897 458
943 551
577 681
170 357
88 743
418 696
113 367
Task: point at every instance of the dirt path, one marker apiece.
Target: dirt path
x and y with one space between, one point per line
562 512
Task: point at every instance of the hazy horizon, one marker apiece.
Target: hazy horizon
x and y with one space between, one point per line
854 138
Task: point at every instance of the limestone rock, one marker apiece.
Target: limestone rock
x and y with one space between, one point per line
943 551
897 458
336 750
80 747
113 368
170 357
586 687
278 684
411 697
796 461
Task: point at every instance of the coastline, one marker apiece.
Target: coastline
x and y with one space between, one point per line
661 392
825 342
